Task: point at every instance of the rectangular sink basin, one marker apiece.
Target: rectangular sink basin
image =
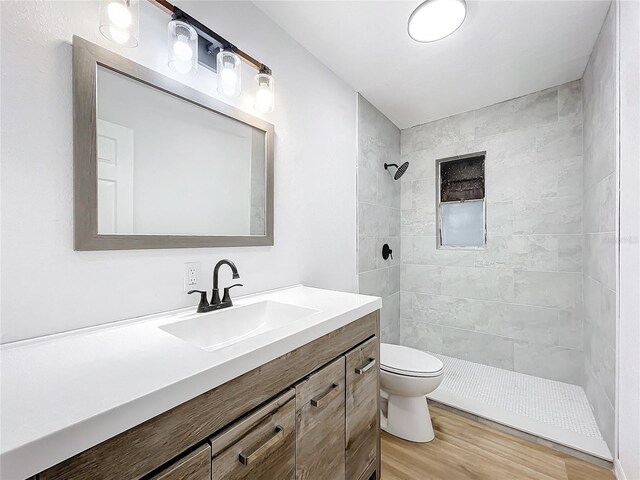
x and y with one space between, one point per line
218 329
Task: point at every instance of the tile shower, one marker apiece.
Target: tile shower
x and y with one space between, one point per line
539 299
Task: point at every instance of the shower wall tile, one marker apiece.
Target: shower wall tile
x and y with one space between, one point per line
388 189
446 311
478 283
548 215
394 280
424 195
367 254
533 109
406 304
424 251
520 322
478 347
560 140
500 219
529 252
525 286
555 363
367 185
571 329
421 278
570 101
406 195
379 202
441 132
390 318
418 221
569 253
599 239
548 289
375 282
421 336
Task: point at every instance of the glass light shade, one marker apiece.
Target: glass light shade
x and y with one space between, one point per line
182 47
119 21
265 95
228 64
436 19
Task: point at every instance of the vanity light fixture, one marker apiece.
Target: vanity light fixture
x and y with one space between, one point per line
183 47
436 19
264 100
190 43
229 73
119 21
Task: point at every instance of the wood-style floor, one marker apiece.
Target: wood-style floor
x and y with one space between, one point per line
464 449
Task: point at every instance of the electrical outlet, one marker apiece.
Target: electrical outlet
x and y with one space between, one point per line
191 275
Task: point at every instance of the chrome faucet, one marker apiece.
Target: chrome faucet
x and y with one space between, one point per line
216 303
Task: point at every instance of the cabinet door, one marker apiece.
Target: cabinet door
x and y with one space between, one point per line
362 408
320 424
195 466
260 446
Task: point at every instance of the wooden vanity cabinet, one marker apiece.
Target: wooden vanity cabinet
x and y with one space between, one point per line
261 446
309 414
320 424
362 407
193 466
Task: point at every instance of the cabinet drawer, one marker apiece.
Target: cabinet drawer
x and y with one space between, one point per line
195 466
320 424
362 394
260 446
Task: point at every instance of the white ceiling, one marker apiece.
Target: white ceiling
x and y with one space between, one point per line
503 50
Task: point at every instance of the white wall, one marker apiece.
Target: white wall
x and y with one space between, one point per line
47 287
629 327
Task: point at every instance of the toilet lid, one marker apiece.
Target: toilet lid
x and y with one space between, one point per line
408 361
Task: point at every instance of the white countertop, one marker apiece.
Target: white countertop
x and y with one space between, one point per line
64 393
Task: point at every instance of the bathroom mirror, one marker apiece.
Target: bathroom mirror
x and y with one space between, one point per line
158 164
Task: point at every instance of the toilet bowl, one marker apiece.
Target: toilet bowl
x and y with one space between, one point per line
407 375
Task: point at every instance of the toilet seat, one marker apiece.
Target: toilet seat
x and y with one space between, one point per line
407 361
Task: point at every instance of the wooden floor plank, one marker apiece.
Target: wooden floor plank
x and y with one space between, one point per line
466 450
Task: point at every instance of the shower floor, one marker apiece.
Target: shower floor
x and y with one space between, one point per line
555 411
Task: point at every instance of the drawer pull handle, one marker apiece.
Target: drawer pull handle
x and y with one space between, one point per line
263 449
367 367
322 400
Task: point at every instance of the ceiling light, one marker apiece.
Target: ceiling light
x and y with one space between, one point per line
436 19
183 47
119 21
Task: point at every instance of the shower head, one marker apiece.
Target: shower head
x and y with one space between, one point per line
400 170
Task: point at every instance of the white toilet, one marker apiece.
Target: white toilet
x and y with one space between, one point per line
407 375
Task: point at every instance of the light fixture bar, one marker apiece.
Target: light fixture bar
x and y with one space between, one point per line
209 35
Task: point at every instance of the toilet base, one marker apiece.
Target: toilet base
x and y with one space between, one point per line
408 418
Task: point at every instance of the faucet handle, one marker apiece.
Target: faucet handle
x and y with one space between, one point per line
226 297
204 303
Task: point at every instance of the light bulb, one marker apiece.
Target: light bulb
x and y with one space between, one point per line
119 35
228 78
119 15
182 50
